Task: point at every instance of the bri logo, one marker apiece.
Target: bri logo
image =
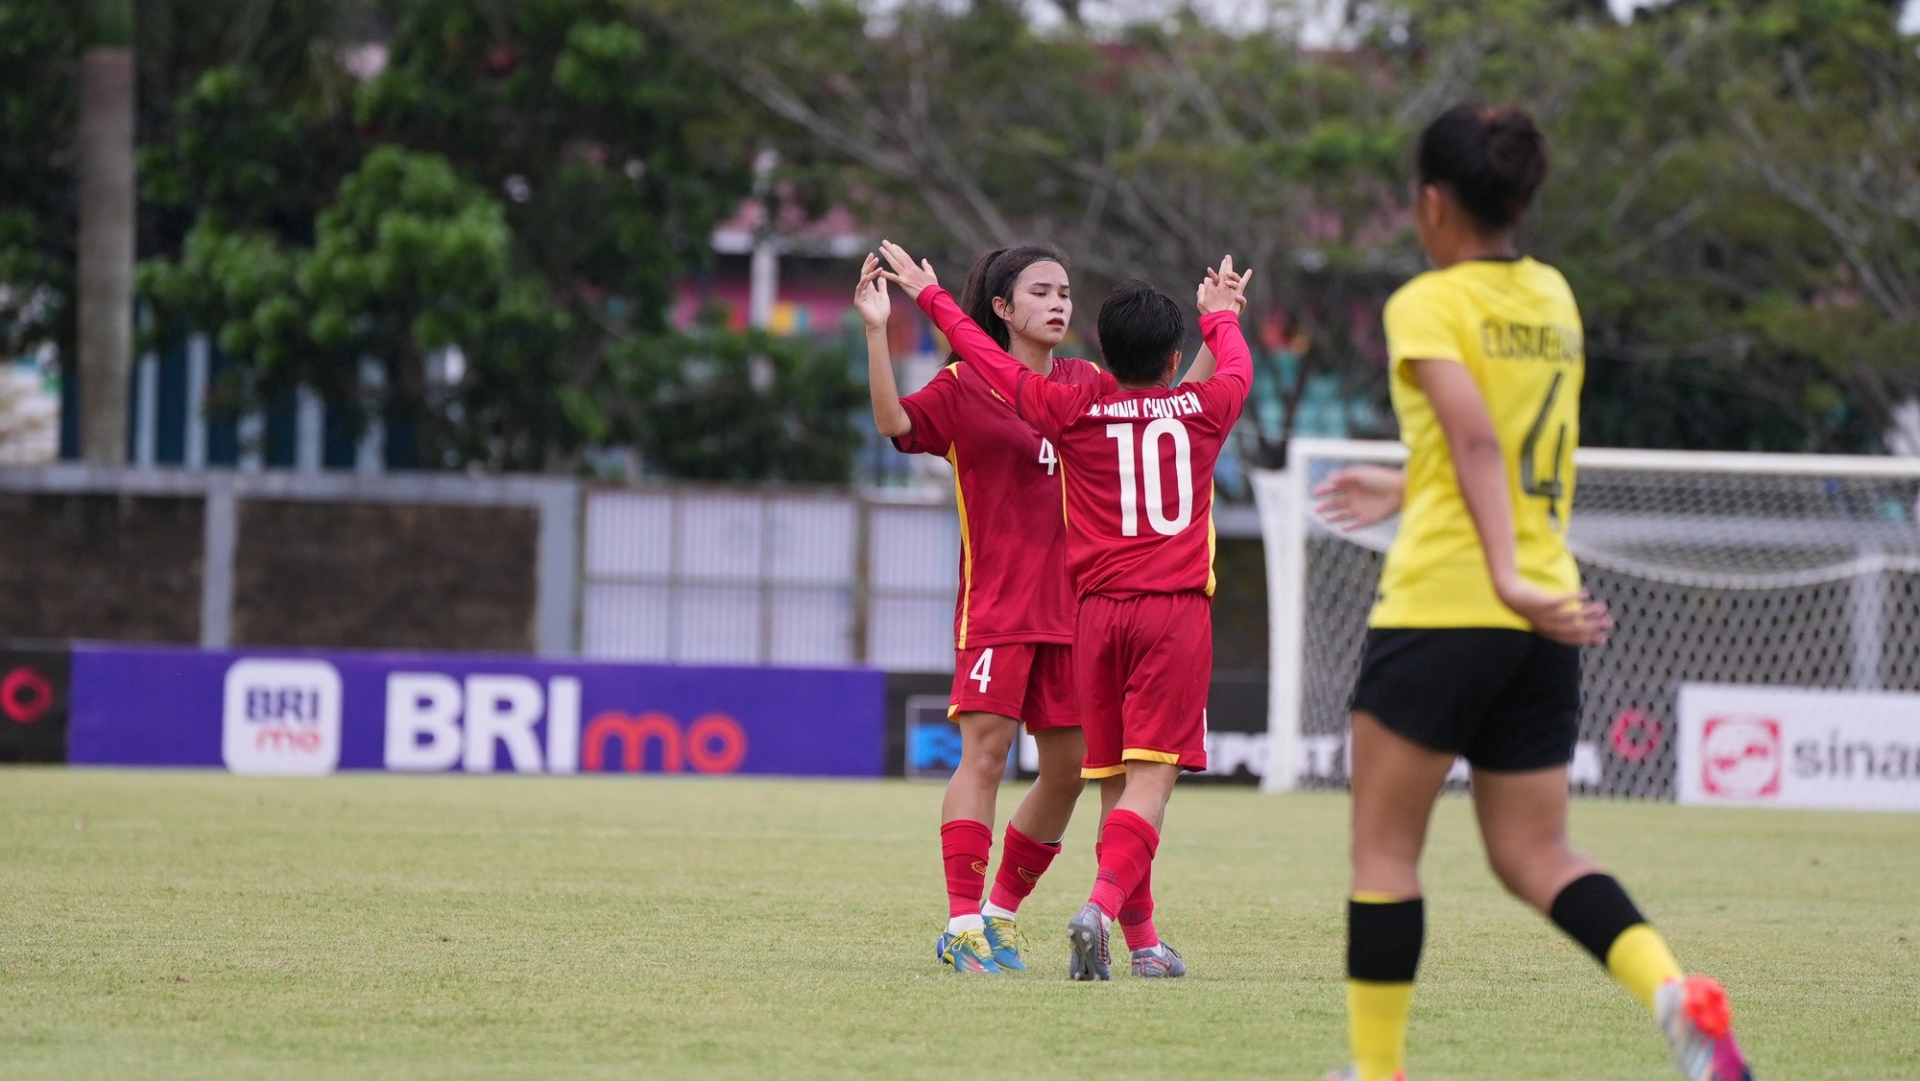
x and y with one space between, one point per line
713 744
1740 757
435 721
281 717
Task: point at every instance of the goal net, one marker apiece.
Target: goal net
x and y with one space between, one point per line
1757 569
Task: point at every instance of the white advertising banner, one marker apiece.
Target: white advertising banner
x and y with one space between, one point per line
1798 747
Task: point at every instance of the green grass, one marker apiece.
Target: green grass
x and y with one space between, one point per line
202 925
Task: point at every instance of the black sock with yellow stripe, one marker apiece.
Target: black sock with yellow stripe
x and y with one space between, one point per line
1384 936
1597 913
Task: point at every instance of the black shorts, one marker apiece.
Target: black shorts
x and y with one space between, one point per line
1504 699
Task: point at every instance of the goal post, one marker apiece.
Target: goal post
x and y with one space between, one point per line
1776 570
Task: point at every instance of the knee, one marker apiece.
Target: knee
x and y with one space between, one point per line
1061 778
1510 869
1521 866
986 756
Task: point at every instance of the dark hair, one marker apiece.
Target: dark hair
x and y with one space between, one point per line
994 275
1491 157
1140 327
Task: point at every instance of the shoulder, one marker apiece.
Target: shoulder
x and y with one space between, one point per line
941 393
1547 279
1544 273
1073 370
1430 287
948 380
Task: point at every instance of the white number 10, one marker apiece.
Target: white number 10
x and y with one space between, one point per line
1149 459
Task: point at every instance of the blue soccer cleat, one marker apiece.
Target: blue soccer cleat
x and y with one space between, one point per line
966 952
1008 943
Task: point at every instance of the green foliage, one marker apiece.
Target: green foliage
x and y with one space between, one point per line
1732 195
528 179
718 406
525 182
39 67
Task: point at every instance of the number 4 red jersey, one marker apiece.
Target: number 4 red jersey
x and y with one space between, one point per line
1138 462
1006 482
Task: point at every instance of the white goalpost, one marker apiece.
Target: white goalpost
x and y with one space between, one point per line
1749 573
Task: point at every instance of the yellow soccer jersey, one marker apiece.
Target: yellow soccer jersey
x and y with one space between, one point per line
1515 325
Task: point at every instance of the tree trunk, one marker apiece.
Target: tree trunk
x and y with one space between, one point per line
105 269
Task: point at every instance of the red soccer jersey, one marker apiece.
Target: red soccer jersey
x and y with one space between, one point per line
1138 463
1013 573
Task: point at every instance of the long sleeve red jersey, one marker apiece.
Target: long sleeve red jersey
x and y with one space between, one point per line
1006 483
1138 462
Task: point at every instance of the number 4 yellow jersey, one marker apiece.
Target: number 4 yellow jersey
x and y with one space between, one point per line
1515 326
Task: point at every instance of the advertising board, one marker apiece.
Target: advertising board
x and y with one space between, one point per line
1799 747
289 712
33 703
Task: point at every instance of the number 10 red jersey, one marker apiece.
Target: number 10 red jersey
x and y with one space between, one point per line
1138 462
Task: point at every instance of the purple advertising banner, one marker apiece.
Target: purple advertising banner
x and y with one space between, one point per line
293 712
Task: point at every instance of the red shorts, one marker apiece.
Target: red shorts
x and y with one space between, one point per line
1032 682
1144 665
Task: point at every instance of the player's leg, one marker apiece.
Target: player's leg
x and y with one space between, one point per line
1169 644
1520 796
1148 956
1101 676
1395 782
966 836
1035 829
1024 856
989 692
1128 841
1523 820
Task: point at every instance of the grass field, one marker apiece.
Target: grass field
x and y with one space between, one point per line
203 925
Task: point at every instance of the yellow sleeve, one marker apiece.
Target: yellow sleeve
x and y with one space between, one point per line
1423 323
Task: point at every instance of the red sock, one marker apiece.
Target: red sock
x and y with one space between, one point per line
1022 861
964 845
1126 853
1136 915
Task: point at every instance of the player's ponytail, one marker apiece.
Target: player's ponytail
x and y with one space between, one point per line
994 275
1492 158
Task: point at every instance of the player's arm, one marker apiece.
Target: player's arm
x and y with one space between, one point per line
1361 495
1480 467
870 299
1220 298
1008 377
1205 363
1202 368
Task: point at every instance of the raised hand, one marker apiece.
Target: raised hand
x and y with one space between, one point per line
870 297
1360 496
1222 289
904 272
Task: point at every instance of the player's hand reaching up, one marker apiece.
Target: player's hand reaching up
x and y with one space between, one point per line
1573 619
905 273
1360 496
870 297
1223 289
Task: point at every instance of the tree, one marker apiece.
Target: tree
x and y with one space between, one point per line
1729 195
39 77
716 406
104 274
521 188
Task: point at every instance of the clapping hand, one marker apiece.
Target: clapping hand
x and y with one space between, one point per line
1223 289
905 273
870 297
